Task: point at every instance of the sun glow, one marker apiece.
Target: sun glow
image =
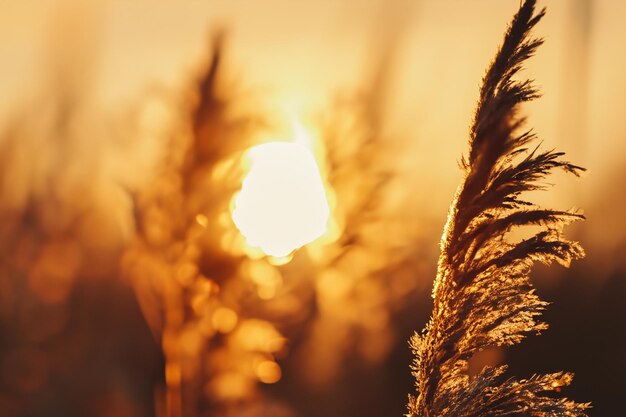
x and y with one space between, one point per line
282 204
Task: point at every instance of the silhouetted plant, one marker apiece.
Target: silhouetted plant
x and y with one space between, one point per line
482 293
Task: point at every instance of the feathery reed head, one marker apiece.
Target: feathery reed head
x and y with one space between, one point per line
483 295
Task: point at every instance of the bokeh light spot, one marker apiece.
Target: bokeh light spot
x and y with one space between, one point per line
268 372
224 320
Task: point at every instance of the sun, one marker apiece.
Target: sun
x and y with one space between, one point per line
282 204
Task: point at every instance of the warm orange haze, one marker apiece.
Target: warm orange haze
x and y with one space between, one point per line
236 208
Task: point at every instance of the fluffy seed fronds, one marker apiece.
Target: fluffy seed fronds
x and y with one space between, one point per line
483 296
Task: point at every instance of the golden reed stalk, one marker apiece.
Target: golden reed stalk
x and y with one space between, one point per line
483 296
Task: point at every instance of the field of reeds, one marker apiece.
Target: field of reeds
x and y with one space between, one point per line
158 258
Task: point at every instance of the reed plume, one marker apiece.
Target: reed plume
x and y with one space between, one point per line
483 296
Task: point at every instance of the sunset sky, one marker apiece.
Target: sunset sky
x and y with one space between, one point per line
126 70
